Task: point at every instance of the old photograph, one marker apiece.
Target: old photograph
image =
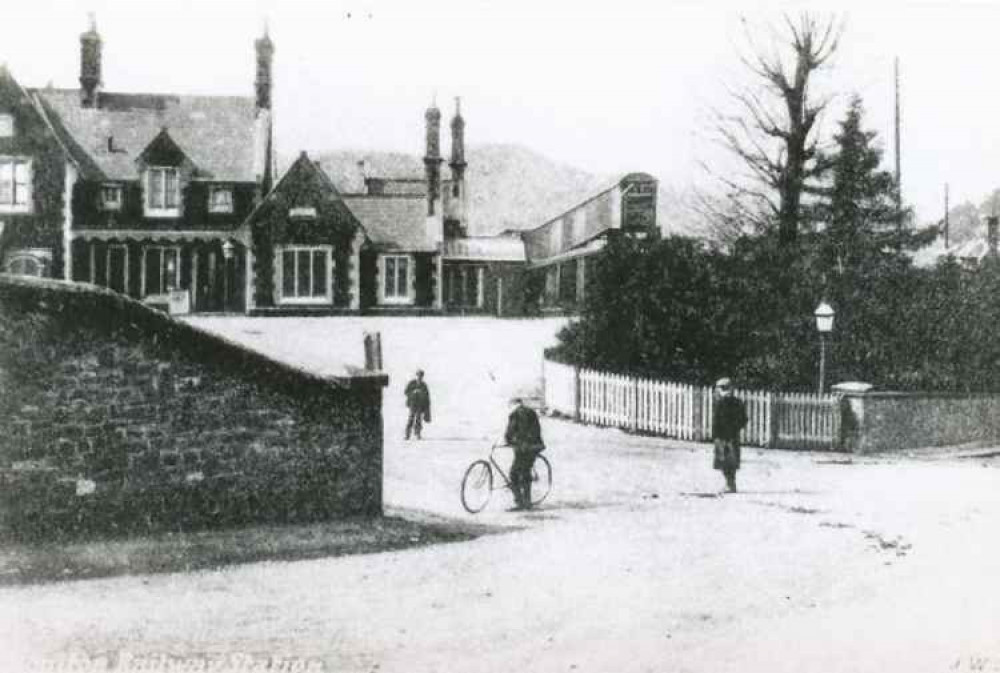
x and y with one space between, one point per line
375 336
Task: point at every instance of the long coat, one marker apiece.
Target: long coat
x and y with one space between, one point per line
729 417
418 398
524 432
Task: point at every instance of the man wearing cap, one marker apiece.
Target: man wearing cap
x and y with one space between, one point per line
524 433
729 417
418 401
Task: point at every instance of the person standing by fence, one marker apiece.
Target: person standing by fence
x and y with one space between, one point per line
729 417
418 401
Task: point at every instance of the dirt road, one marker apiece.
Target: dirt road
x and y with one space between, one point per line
636 563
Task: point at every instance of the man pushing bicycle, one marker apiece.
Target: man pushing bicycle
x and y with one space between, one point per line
524 434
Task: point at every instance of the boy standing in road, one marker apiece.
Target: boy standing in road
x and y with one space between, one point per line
729 417
418 401
524 433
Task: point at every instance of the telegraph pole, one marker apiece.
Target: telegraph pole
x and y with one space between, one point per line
899 177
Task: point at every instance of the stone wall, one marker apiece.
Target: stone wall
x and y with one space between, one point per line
115 413
878 422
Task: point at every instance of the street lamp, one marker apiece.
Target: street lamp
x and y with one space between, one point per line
824 325
227 255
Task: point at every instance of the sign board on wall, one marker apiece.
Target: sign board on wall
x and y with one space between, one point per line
639 207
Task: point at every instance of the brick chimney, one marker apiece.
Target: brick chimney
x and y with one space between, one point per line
265 58
90 65
432 158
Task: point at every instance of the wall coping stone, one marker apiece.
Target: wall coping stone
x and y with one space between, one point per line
50 294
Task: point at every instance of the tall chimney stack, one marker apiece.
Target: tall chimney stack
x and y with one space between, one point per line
90 64
457 143
432 157
265 57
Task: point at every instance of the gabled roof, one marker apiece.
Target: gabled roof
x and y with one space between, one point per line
393 222
299 170
224 136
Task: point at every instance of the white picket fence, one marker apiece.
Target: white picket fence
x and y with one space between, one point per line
684 411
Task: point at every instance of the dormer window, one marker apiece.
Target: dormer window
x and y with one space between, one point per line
163 192
6 125
220 200
111 197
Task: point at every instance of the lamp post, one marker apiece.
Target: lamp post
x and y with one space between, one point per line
227 256
824 325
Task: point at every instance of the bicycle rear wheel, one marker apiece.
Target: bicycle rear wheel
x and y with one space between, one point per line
477 486
541 480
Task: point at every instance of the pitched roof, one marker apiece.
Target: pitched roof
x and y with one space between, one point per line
345 171
223 136
486 248
393 222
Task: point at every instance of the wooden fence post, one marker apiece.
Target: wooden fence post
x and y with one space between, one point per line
576 393
699 412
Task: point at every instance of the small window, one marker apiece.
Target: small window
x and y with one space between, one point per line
15 185
6 125
220 200
163 194
33 262
111 197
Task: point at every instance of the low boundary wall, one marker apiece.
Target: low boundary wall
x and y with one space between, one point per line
876 422
114 412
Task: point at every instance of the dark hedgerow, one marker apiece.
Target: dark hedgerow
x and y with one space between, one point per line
678 310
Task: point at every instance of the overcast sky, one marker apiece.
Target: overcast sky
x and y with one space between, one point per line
612 86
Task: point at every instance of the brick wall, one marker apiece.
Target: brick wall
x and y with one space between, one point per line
115 414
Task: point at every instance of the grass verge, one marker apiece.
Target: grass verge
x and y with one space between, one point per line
29 563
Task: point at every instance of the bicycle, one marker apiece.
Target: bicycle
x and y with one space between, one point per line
478 483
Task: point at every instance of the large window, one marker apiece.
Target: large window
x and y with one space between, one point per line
161 270
305 273
15 185
463 285
396 278
163 192
116 268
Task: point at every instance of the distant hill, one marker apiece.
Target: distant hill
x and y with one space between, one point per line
510 186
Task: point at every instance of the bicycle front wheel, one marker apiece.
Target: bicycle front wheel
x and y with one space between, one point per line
477 486
541 480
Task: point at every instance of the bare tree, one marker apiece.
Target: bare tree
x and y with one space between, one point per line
773 134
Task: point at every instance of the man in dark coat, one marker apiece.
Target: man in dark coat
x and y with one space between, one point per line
418 401
729 417
524 433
